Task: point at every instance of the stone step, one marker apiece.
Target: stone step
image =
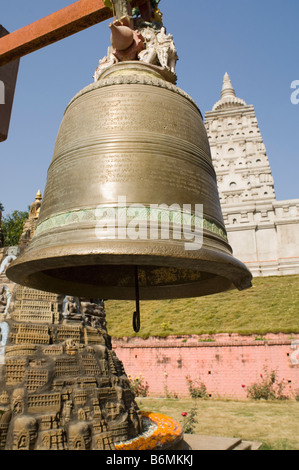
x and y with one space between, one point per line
198 442
243 445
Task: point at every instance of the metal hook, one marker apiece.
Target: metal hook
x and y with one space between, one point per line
136 314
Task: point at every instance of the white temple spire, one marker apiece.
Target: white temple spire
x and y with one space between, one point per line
227 88
228 96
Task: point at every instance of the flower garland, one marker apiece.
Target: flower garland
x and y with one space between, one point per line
165 434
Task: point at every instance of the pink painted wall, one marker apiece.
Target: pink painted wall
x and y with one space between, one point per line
226 365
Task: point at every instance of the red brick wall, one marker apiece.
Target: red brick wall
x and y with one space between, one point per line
226 365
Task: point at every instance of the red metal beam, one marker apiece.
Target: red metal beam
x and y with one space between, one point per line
59 25
8 79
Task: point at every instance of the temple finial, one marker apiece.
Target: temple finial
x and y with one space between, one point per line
38 195
228 96
227 88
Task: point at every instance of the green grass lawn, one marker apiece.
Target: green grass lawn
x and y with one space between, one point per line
273 423
270 306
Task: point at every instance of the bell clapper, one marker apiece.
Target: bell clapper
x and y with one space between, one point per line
136 314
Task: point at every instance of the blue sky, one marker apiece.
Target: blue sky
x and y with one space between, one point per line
255 41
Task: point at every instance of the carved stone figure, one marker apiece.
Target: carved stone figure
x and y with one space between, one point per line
24 433
71 347
5 297
6 262
160 49
144 38
79 436
31 222
4 329
3 300
149 54
71 309
105 63
17 401
93 312
135 419
166 50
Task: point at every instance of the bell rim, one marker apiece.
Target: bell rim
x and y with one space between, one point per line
226 273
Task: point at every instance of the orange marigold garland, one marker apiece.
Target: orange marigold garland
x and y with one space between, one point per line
166 433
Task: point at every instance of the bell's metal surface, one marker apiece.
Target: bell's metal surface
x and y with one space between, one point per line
132 138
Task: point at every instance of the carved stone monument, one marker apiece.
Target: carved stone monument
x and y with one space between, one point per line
61 385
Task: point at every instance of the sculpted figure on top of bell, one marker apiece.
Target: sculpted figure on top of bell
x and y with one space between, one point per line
141 37
105 63
160 49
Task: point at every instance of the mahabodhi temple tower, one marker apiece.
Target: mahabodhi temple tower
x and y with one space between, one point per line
263 232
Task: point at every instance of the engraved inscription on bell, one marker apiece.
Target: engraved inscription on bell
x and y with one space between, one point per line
131 135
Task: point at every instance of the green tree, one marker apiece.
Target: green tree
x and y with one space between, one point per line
12 227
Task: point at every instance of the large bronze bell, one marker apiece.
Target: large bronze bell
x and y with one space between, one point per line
130 138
